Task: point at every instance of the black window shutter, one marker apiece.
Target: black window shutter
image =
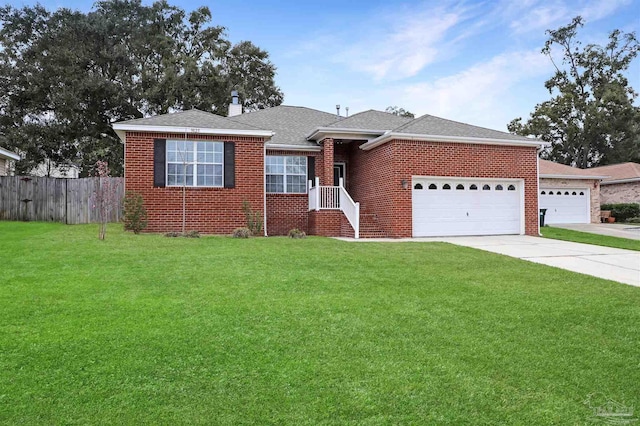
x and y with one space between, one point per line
229 165
311 169
159 162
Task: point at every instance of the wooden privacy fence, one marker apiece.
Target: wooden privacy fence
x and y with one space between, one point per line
55 200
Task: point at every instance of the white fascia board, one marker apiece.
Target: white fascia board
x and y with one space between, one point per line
440 138
5 153
628 180
591 177
322 132
285 147
120 129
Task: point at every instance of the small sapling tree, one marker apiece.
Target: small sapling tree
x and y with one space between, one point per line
104 197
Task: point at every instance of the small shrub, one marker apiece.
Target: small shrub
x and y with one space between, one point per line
296 233
253 218
192 234
241 233
173 234
634 219
622 211
135 215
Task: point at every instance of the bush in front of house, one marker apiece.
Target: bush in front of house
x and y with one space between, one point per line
622 211
135 215
296 233
188 234
253 218
634 219
241 233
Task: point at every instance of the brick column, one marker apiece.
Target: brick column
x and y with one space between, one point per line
326 174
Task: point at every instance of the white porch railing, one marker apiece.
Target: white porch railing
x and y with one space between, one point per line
335 198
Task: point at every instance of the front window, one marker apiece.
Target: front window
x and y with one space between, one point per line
286 174
193 163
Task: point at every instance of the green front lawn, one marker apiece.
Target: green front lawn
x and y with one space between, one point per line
587 238
154 330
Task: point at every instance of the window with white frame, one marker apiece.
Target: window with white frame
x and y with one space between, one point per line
286 174
194 163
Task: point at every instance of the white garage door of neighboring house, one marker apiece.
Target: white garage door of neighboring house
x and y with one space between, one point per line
565 205
464 206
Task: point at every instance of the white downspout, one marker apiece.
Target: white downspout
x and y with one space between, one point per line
264 188
538 188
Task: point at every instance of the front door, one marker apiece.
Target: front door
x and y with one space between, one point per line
338 173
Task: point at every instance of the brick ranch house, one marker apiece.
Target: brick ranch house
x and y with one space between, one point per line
367 175
621 184
569 194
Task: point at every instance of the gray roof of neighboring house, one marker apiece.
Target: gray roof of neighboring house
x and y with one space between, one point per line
291 124
191 118
430 125
370 120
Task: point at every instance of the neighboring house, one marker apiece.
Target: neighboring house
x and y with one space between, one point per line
5 157
370 174
48 168
622 183
569 194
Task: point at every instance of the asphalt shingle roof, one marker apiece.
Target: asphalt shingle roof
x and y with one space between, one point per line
615 172
370 120
431 125
192 118
550 168
291 124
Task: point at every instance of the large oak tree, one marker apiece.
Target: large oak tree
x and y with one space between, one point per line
591 118
66 76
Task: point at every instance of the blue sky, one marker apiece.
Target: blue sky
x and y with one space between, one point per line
474 61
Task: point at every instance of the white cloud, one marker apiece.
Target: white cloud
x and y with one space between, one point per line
482 94
540 18
393 46
539 15
596 10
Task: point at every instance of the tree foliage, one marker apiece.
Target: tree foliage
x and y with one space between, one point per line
591 119
66 76
399 112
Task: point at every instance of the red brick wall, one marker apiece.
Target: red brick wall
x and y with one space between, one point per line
208 210
378 174
286 212
371 182
325 222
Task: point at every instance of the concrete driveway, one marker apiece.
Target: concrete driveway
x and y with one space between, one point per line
622 230
603 262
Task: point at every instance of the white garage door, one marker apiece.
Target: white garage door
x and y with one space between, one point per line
447 207
565 205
